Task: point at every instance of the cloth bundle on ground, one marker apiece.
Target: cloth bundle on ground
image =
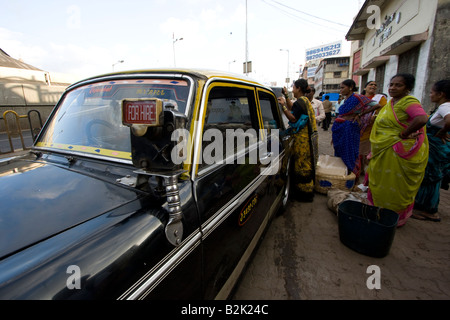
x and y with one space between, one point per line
337 196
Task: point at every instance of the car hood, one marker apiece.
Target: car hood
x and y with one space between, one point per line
39 200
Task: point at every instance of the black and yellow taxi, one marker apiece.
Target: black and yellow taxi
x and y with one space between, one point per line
149 184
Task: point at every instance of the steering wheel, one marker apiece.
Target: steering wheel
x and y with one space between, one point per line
96 140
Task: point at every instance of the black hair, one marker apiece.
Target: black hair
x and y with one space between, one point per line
327 97
368 82
365 86
444 87
408 79
351 84
302 84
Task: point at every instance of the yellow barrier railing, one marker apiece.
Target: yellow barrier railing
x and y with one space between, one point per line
10 132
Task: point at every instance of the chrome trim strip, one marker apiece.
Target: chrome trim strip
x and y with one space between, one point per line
159 272
214 221
85 155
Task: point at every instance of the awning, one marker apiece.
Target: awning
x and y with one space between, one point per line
358 29
404 44
375 62
361 72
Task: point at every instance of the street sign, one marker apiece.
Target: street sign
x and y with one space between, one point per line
247 67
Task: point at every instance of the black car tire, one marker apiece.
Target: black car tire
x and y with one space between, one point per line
287 190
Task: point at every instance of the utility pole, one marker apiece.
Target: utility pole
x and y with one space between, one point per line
288 80
246 40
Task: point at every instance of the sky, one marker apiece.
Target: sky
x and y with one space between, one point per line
86 38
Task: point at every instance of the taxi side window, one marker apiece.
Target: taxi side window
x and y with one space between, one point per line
269 111
231 114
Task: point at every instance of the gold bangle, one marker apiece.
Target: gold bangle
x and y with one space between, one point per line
284 108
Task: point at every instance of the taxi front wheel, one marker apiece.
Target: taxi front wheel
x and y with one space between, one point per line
286 190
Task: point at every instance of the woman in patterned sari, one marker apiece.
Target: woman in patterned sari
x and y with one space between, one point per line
399 150
303 123
370 91
353 119
438 132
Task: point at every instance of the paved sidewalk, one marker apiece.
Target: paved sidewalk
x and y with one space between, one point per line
301 257
5 147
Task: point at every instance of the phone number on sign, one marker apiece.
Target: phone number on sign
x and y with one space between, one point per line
323 55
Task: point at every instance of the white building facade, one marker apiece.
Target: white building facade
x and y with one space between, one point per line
401 36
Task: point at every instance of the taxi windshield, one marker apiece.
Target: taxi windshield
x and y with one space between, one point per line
89 118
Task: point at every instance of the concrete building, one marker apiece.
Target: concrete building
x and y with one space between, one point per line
24 87
309 71
330 73
398 36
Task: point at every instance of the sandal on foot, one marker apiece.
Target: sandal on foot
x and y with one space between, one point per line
426 216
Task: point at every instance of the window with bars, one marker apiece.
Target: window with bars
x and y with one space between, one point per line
407 61
379 78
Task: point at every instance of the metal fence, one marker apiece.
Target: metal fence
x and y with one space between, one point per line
13 128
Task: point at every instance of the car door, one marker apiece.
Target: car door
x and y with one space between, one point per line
276 160
230 189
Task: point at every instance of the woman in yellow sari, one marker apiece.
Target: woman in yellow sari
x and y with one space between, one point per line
302 121
399 150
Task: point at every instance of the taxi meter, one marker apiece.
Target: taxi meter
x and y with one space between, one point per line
152 124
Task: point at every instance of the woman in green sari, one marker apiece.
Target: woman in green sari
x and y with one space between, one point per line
399 150
303 126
